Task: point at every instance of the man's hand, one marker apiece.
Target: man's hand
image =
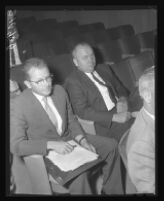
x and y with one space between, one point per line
60 147
121 117
134 114
84 143
122 105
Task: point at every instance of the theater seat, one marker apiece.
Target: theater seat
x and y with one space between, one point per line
120 31
61 65
41 182
146 41
109 52
141 62
88 126
17 74
124 73
129 46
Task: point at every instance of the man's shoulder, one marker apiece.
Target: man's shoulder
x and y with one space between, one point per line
25 94
58 89
21 100
73 76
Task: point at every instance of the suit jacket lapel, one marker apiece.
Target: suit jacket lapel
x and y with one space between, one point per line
85 79
37 106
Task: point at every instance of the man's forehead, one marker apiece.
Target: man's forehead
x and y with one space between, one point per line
35 70
83 49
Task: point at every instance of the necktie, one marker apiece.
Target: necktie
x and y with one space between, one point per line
50 113
111 91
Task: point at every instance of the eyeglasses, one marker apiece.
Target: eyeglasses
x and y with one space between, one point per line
41 81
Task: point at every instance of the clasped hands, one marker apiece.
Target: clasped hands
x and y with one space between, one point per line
62 147
123 114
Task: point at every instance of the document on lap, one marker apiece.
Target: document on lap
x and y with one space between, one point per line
78 157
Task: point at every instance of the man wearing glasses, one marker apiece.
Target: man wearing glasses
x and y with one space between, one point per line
42 120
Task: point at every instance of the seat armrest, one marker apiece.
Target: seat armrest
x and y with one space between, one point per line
38 174
88 126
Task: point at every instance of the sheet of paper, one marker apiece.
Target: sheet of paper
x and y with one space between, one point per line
79 156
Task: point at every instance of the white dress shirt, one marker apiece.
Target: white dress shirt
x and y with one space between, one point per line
148 113
54 109
103 90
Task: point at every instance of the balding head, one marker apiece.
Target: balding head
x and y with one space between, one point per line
146 81
78 47
146 87
83 57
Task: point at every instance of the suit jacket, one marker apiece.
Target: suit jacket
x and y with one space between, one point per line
31 127
30 130
87 101
129 186
140 151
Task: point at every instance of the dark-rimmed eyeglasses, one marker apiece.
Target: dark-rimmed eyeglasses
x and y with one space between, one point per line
42 81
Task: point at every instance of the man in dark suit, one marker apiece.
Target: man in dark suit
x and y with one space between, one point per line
35 131
97 95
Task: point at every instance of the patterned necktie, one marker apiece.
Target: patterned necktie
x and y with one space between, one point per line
111 91
50 113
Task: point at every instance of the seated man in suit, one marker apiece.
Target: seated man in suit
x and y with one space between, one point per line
35 131
97 95
140 146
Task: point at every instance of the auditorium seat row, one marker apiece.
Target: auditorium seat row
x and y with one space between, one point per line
48 37
127 53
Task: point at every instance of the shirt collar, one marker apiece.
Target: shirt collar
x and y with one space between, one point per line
148 113
39 97
90 73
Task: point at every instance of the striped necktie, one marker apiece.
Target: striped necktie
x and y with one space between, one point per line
111 91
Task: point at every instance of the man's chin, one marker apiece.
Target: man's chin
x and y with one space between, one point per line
48 93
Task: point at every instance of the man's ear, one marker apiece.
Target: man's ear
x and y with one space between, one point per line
75 62
147 96
27 83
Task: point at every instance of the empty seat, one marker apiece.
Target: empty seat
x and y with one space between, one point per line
141 62
88 38
108 52
100 36
125 74
146 40
42 49
64 27
25 49
91 27
73 39
129 46
23 23
120 31
98 26
17 74
129 70
61 66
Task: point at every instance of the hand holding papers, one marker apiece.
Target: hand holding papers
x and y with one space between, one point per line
79 156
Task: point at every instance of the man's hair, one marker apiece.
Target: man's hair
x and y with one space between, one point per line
146 81
81 44
33 63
